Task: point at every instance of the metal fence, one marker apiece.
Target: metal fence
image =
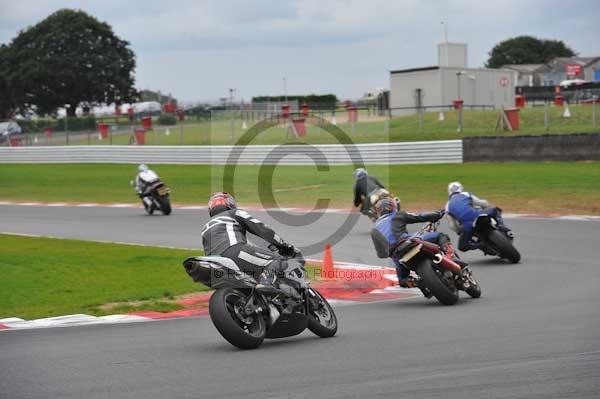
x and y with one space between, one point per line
448 151
360 124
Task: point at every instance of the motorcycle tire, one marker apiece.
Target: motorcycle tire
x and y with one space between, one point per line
165 205
323 321
430 279
474 291
223 314
504 246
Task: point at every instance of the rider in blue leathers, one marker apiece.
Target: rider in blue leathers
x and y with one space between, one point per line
391 223
465 207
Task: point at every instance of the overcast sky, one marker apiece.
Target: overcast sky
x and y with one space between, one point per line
198 49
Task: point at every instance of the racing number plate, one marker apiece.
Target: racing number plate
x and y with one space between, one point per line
163 190
410 254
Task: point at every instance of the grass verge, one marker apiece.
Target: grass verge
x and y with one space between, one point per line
44 277
545 187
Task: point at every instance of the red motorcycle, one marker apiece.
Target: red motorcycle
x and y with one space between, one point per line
440 275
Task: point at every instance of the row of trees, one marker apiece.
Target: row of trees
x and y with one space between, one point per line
68 59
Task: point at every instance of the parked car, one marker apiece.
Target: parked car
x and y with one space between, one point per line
9 130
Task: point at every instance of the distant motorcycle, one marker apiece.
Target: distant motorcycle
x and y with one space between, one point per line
157 195
496 242
245 317
439 275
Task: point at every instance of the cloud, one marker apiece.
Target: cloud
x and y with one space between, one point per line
198 49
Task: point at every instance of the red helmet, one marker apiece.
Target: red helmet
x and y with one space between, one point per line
220 202
385 206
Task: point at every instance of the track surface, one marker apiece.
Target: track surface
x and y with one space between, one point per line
535 333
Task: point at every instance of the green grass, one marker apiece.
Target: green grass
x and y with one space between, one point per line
546 187
43 277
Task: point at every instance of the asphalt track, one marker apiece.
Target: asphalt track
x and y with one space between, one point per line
535 333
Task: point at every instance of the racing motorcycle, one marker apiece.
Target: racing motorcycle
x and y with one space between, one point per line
497 242
245 317
440 276
156 196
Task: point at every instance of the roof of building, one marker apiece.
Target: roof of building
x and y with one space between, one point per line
524 68
429 68
583 61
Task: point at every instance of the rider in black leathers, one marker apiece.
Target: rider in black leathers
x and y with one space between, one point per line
225 235
364 185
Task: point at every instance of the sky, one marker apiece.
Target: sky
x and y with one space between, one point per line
198 49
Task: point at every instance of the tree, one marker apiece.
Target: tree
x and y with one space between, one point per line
71 58
527 50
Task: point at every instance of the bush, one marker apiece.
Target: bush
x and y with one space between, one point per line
58 125
167 119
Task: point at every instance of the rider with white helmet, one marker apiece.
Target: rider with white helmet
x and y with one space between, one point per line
463 208
143 180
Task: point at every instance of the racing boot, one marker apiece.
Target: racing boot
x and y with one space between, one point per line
408 282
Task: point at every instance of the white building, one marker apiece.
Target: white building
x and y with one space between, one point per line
438 86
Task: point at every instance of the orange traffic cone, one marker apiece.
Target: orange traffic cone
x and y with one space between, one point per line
328 272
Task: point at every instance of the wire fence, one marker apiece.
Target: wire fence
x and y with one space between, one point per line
300 123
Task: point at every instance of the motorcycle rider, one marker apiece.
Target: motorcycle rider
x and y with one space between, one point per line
364 186
225 235
143 180
464 207
392 222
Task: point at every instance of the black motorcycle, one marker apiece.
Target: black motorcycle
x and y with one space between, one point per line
158 196
245 317
497 241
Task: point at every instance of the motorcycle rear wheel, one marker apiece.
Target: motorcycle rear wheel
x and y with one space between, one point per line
444 294
504 246
322 321
165 205
224 312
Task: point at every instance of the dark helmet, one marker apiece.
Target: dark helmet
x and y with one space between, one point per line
385 206
220 202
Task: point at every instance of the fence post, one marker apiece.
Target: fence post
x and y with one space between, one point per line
546 115
594 99
420 112
387 121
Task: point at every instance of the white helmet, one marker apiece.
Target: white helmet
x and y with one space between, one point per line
142 168
455 187
360 172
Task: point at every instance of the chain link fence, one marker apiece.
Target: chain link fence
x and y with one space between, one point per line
302 123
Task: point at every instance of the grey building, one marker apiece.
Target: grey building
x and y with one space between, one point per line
450 79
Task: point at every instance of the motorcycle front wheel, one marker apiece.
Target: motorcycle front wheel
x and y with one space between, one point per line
239 329
429 278
322 320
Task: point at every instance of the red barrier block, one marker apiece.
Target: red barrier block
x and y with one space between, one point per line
140 136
